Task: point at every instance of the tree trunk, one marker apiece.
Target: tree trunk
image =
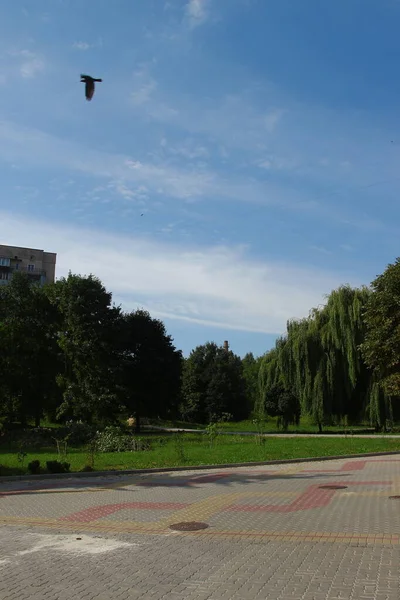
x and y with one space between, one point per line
137 426
37 420
319 427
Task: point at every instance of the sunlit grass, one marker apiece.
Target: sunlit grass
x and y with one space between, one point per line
197 451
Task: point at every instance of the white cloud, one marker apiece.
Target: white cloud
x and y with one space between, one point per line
187 149
219 286
20 145
196 12
81 45
144 88
30 64
273 118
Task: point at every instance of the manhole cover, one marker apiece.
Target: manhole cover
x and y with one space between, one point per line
333 487
394 497
188 526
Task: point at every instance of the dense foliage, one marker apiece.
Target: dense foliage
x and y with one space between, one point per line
319 361
213 385
381 347
68 353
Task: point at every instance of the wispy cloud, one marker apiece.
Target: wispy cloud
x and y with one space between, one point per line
220 286
81 45
35 148
197 12
30 64
145 85
187 149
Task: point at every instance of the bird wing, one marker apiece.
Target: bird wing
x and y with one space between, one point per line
89 90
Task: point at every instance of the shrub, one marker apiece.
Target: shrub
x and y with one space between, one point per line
34 438
34 467
54 466
87 469
113 439
79 433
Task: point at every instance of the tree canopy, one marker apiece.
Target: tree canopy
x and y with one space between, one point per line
66 351
213 385
319 360
381 346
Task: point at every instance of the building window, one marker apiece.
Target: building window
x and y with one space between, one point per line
4 276
31 268
4 262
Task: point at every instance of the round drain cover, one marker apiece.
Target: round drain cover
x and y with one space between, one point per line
188 526
332 487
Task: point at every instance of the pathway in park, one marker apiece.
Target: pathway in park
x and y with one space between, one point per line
282 435
309 531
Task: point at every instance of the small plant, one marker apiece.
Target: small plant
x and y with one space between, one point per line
113 439
62 447
259 436
21 455
91 453
212 432
225 417
180 447
55 466
34 467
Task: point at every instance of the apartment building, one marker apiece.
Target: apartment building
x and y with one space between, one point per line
38 264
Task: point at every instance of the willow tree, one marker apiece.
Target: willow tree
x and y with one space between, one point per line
268 376
320 360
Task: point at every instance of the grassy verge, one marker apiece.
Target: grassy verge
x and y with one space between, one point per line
196 450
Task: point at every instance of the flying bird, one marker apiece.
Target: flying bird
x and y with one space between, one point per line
89 85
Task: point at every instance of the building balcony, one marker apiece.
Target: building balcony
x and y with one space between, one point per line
29 271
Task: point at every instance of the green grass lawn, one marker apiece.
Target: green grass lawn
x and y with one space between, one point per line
196 450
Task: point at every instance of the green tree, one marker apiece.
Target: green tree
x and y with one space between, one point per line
284 404
320 361
149 369
213 384
28 351
381 346
87 339
251 368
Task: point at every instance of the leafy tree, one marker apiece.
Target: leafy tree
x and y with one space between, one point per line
284 404
320 361
28 351
87 339
381 347
251 368
150 367
213 384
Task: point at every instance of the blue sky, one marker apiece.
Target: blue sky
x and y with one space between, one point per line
260 140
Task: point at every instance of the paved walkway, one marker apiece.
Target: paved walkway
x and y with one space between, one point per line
270 532
280 435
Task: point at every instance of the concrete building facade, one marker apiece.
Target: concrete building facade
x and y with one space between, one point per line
39 265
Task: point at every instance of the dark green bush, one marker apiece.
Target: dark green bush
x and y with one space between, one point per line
34 467
79 433
55 466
